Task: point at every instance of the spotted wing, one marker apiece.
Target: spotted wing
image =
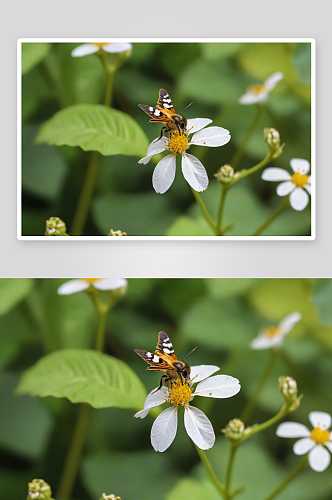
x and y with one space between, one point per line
165 348
164 102
156 115
153 359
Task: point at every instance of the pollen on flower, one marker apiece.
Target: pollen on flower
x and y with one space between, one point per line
300 180
257 88
180 393
320 436
177 142
271 331
90 280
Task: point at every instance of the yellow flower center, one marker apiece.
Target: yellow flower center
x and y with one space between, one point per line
271 331
299 180
320 436
257 88
178 142
180 393
90 280
100 44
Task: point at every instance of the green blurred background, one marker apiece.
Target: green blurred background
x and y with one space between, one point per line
220 317
214 76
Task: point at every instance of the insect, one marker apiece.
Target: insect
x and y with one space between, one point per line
164 113
164 359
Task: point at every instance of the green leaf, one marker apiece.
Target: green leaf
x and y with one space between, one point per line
321 299
213 51
94 127
13 291
302 61
186 226
136 475
43 168
189 489
14 334
228 287
33 54
84 376
25 425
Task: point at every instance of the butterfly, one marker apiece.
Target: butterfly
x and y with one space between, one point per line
164 113
164 359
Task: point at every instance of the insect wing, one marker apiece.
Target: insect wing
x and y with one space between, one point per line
165 348
156 115
154 360
165 102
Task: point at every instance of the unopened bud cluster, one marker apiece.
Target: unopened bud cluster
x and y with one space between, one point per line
272 139
116 233
288 388
55 227
235 429
109 497
225 174
38 488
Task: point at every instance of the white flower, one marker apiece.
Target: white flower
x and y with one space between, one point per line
273 336
312 442
78 285
90 48
192 169
258 92
293 184
197 425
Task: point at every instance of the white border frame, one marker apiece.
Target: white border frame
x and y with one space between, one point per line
312 41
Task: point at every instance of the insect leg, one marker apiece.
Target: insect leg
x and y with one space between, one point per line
161 383
161 134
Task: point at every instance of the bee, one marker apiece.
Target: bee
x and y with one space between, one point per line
164 359
164 113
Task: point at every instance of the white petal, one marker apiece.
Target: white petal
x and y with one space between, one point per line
194 172
266 342
73 286
328 444
110 283
275 174
155 398
302 446
292 430
307 187
196 124
157 146
272 80
202 372
320 419
219 386
319 458
212 136
145 160
298 199
285 188
300 165
199 428
289 322
85 50
164 173
251 97
117 47
164 429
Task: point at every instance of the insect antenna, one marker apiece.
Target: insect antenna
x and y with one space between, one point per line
193 348
181 114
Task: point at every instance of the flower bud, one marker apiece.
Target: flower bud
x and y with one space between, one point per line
38 488
109 497
225 174
55 227
234 430
116 233
288 388
272 139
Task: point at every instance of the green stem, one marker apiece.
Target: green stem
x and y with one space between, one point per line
261 427
102 315
245 173
228 495
301 465
269 220
74 455
205 212
221 208
84 201
220 487
246 414
109 88
238 155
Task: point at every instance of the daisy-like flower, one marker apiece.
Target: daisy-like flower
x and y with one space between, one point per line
258 92
91 48
273 336
78 285
312 441
198 426
297 185
178 143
